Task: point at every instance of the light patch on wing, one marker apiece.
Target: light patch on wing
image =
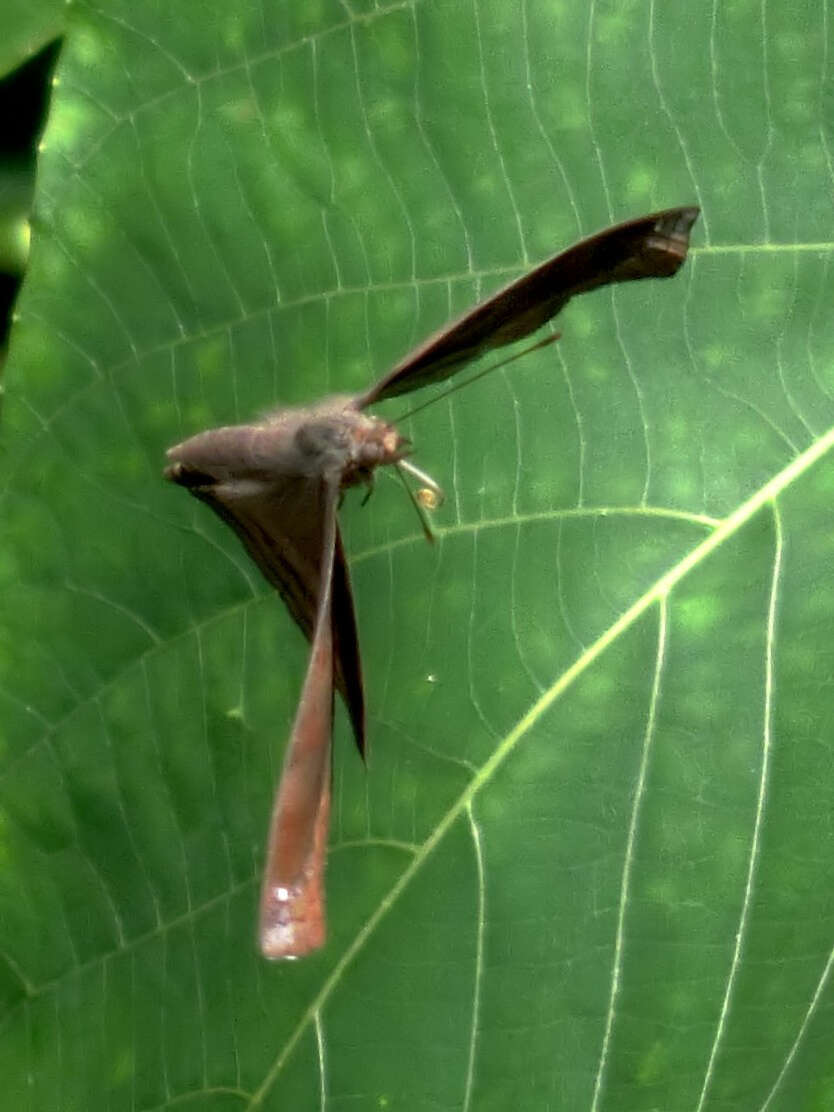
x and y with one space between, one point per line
242 488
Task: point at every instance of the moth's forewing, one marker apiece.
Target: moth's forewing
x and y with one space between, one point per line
255 481
292 920
651 247
249 477
348 663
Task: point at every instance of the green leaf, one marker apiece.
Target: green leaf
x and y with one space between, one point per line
590 863
26 26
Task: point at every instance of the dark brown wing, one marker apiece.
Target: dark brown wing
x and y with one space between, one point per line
651 247
292 921
281 520
348 668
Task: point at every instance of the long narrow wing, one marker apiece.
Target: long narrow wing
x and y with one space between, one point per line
650 247
292 921
348 668
280 519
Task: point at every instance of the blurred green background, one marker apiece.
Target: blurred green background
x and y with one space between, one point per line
589 864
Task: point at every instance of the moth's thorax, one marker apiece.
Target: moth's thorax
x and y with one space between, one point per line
335 438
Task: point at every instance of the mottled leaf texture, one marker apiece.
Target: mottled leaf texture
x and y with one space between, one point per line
588 863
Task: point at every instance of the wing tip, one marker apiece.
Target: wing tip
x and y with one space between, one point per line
675 226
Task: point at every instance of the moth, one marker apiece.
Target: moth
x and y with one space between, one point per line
278 483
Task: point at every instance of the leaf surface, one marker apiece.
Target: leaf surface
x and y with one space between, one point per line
590 862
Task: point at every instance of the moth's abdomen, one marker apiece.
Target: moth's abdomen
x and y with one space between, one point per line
239 454
188 476
213 456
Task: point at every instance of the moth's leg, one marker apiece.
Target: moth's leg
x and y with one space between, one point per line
370 480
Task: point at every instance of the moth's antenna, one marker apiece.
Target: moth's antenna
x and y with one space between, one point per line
487 370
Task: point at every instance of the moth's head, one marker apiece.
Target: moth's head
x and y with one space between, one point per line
377 442
372 443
